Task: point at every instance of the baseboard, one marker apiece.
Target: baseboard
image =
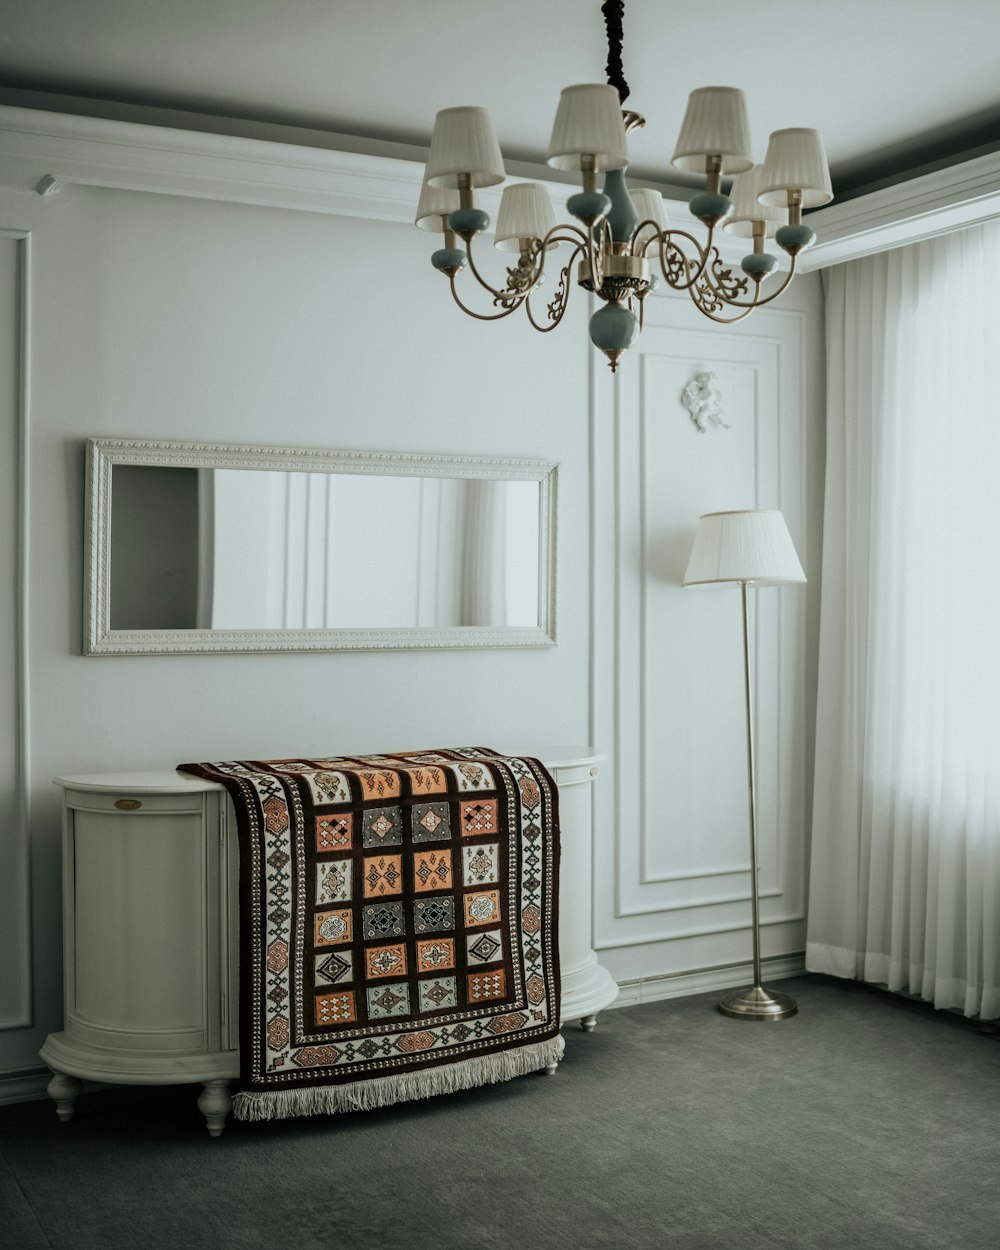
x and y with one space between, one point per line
23 1084
705 980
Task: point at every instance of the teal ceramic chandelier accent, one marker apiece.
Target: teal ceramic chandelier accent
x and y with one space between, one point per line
623 246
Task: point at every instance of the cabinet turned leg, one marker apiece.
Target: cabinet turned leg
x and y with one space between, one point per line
214 1103
589 1023
64 1091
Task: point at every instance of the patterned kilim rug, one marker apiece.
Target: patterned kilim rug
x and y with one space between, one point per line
398 926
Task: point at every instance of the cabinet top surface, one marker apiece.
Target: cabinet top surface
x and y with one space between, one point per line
155 781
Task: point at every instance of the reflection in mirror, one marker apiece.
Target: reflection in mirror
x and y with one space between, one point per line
245 549
205 547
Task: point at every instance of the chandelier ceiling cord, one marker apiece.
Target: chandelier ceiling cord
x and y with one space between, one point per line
614 24
623 235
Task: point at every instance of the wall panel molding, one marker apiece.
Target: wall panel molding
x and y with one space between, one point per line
651 466
705 980
15 884
699 903
698 931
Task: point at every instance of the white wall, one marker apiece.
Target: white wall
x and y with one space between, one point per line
181 318
187 319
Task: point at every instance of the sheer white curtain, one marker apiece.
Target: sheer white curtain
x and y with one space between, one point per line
905 877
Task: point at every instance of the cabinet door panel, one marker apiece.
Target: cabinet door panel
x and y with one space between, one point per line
140 890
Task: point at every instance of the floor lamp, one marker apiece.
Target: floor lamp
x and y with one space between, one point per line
750 548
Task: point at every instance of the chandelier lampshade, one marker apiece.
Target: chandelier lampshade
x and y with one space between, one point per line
588 126
715 124
525 213
796 162
616 239
434 207
649 207
464 145
747 208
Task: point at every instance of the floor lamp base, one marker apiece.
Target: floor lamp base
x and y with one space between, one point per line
758 1003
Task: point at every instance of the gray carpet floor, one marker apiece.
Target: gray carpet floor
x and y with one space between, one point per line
862 1122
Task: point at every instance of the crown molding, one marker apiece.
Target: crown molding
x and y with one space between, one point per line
931 204
38 146
48 152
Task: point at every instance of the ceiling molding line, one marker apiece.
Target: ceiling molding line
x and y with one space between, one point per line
36 146
932 204
44 149
45 152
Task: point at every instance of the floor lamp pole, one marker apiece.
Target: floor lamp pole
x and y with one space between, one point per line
755 1003
751 785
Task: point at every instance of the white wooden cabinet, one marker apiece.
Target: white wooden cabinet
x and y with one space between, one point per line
150 874
150 867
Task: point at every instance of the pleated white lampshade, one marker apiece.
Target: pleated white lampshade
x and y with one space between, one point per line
747 208
796 161
588 123
433 207
649 205
750 546
525 213
715 124
463 142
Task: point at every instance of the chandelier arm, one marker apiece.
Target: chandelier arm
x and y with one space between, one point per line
497 295
553 237
515 304
593 251
508 293
543 329
709 301
574 235
559 301
578 245
774 294
644 246
759 303
722 321
666 240
719 279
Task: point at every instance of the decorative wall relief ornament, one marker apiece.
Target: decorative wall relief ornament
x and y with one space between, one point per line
702 400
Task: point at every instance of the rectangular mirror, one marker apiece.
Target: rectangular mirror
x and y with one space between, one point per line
202 547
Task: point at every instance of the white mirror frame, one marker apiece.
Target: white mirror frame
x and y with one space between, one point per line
104 453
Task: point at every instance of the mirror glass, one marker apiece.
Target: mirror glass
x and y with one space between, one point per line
241 549
235 551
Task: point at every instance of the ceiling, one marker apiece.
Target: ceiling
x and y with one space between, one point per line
893 85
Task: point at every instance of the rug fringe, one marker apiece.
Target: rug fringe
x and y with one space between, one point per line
386 1090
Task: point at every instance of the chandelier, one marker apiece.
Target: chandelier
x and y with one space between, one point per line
623 237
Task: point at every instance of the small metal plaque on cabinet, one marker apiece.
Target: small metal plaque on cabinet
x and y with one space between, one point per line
127 805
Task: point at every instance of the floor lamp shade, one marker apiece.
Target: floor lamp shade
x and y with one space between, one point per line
748 546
